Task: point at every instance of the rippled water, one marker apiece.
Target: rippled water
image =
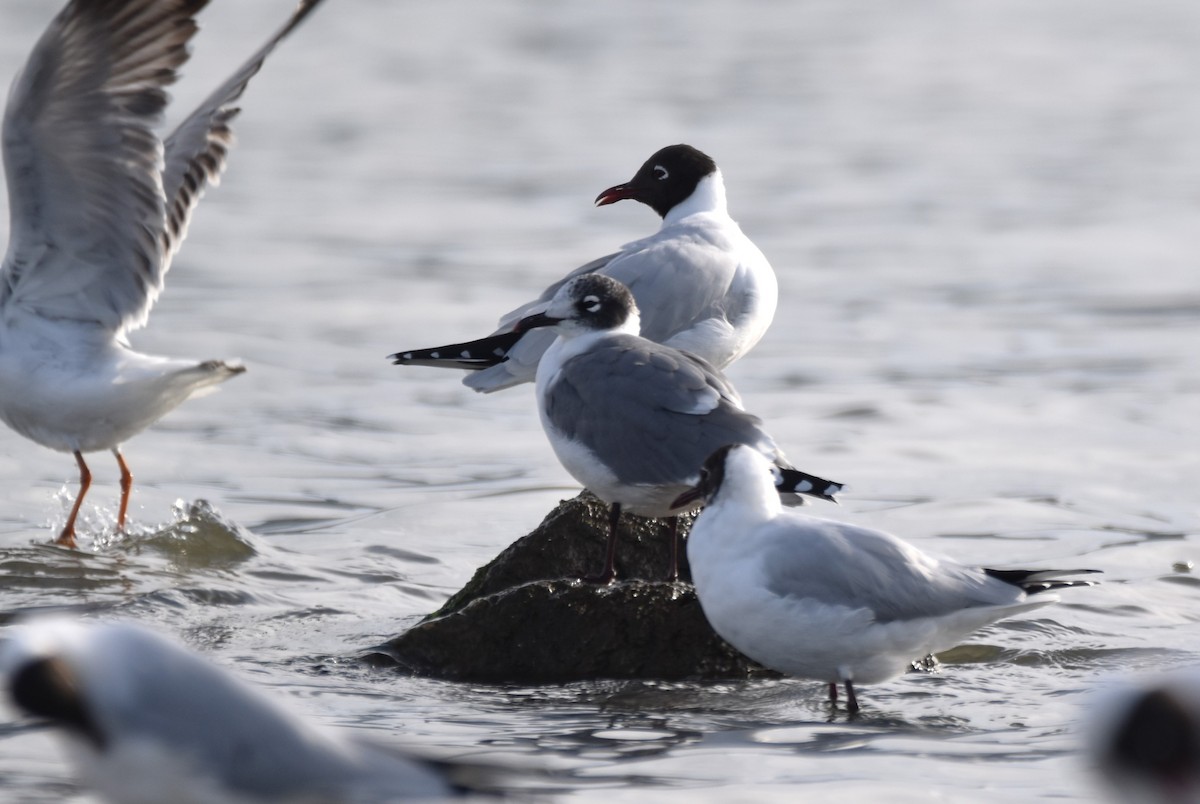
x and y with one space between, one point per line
984 220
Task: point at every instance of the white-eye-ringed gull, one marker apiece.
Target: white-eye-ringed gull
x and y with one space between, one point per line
631 419
701 284
144 719
98 207
826 600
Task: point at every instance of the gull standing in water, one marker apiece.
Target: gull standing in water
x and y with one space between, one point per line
821 599
701 284
633 420
146 720
98 207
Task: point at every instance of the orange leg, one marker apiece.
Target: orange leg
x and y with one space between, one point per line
67 537
126 487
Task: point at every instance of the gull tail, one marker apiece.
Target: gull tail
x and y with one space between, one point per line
793 481
1034 581
473 355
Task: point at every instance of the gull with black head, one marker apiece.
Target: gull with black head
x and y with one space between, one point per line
98 207
826 600
702 285
633 420
144 719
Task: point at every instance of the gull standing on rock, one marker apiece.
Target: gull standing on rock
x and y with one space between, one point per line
821 599
701 284
633 420
98 207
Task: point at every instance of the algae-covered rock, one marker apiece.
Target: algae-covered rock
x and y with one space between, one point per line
526 618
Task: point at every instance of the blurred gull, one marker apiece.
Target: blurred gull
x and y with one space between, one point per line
98 208
145 720
826 600
1144 738
631 419
701 284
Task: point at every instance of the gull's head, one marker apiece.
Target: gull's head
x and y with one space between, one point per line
42 673
588 303
730 472
667 179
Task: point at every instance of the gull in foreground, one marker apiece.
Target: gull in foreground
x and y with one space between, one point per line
98 207
1144 738
145 720
701 284
633 420
825 600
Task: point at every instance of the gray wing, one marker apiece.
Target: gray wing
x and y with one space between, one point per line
841 564
651 413
83 165
196 150
679 281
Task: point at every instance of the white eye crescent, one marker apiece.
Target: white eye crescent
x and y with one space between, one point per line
593 303
660 172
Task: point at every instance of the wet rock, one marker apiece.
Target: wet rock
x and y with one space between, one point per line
526 618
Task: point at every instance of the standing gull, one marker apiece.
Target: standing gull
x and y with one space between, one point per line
821 599
98 207
633 420
145 720
701 284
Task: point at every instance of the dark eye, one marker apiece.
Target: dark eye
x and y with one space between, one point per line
660 172
590 304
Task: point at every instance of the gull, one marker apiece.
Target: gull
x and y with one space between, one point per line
1144 737
826 600
98 207
633 420
701 284
144 719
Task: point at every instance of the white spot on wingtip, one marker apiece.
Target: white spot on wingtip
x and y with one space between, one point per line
406 356
434 355
465 353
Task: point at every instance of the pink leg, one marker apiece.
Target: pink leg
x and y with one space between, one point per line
610 560
126 487
851 698
673 574
67 537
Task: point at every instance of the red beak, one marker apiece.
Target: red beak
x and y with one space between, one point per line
614 194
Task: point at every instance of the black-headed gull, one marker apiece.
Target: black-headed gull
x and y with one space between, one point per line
99 206
631 419
143 719
821 599
701 284
1143 737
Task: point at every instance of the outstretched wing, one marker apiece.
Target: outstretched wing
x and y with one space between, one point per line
83 164
195 151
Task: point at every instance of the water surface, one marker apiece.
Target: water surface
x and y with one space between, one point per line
984 221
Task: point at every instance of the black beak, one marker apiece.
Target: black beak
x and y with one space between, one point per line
535 321
690 497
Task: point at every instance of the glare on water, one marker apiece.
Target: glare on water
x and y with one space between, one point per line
984 221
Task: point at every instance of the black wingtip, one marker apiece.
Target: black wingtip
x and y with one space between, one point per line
793 481
473 355
1036 581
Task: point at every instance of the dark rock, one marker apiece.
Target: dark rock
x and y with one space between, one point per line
526 618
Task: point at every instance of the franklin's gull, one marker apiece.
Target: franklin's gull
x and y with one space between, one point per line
631 419
701 284
826 600
98 207
145 720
